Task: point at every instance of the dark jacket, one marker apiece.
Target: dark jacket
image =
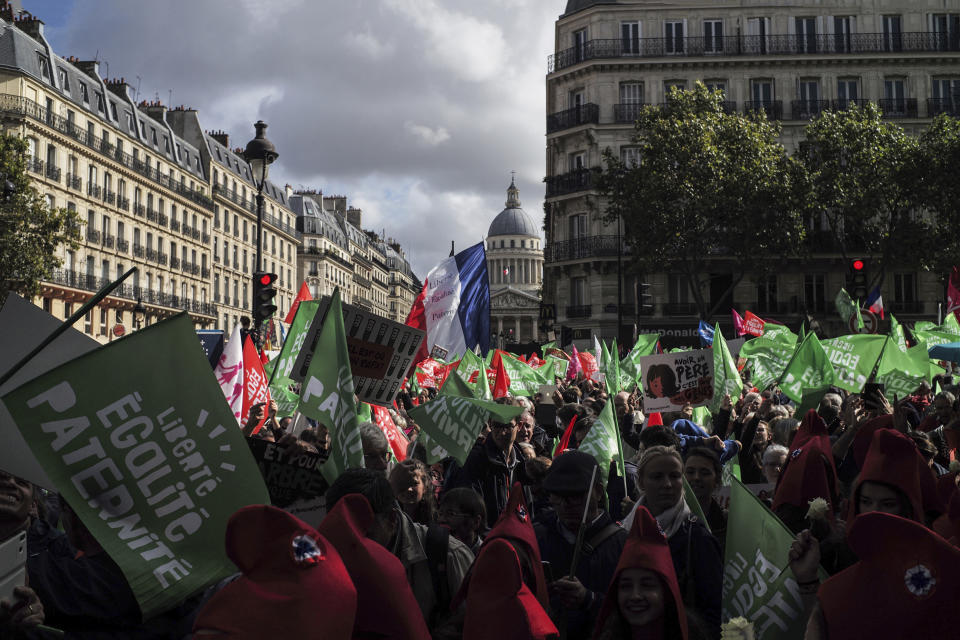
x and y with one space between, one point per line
699 566
486 471
615 489
595 570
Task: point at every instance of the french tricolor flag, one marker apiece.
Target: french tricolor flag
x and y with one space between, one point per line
454 305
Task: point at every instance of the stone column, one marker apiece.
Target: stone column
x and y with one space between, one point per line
499 325
516 322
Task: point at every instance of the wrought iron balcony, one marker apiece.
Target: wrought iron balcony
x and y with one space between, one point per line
109 197
205 273
35 165
138 250
162 258
89 282
174 263
899 107
576 180
808 109
94 190
186 229
579 311
152 215
584 114
773 108
627 113
53 173
174 225
108 241
205 238
74 181
680 309
842 104
583 248
907 306
162 219
123 203
139 209
93 236
754 45
195 233
949 106
123 245
152 255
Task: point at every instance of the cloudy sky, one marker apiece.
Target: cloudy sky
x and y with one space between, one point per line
417 110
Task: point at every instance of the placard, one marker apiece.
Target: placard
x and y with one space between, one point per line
672 380
381 352
288 479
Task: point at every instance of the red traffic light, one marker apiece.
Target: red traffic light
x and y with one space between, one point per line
858 265
266 279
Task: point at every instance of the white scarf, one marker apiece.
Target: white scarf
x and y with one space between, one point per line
670 520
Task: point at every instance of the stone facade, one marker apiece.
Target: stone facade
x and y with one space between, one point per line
791 60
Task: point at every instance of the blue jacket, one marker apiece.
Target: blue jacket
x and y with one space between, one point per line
691 434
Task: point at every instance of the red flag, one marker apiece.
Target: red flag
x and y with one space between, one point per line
737 323
535 362
255 389
303 295
417 318
588 362
502 386
398 441
753 324
565 439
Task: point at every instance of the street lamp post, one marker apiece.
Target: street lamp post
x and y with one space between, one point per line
259 154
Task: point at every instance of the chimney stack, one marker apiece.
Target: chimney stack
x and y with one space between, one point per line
221 137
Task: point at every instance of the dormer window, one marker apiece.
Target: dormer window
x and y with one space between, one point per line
113 112
44 66
153 135
99 101
84 93
64 79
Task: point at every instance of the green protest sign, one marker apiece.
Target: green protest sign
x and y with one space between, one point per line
471 367
453 422
630 365
755 586
524 379
555 368
327 394
853 357
139 440
455 386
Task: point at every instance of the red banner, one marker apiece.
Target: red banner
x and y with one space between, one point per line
398 441
255 388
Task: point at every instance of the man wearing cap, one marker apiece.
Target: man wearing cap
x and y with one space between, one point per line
576 601
491 468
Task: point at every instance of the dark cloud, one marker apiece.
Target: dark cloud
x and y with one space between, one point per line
417 110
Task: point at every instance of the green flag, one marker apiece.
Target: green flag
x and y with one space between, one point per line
548 345
137 437
611 369
859 324
779 333
767 359
455 386
691 499
630 365
524 379
453 422
280 381
327 394
896 332
471 367
726 378
603 442
555 368
755 586
846 307
810 368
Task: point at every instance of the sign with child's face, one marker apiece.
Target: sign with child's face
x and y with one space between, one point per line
672 380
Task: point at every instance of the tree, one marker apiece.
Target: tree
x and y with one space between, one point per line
30 230
939 151
712 191
866 177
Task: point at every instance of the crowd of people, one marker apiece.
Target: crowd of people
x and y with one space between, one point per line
530 538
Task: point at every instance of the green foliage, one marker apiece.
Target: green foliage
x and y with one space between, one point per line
865 176
709 185
938 182
30 231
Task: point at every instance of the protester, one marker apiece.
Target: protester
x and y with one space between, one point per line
644 599
703 470
695 552
461 511
434 562
410 481
491 468
774 459
376 448
576 593
17 498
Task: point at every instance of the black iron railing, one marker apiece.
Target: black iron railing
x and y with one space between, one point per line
626 113
907 306
581 248
773 108
85 282
53 173
949 106
583 114
842 104
123 246
791 44
808 109
93 235
899 107
579 311
571 182
74 182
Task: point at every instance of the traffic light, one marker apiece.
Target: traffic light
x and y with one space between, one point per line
263 294
644 298
858 283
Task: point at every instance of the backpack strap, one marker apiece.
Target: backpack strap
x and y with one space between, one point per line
598 538
437 545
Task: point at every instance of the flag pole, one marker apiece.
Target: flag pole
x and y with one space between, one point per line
66 324
578 548
790 361
876 365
